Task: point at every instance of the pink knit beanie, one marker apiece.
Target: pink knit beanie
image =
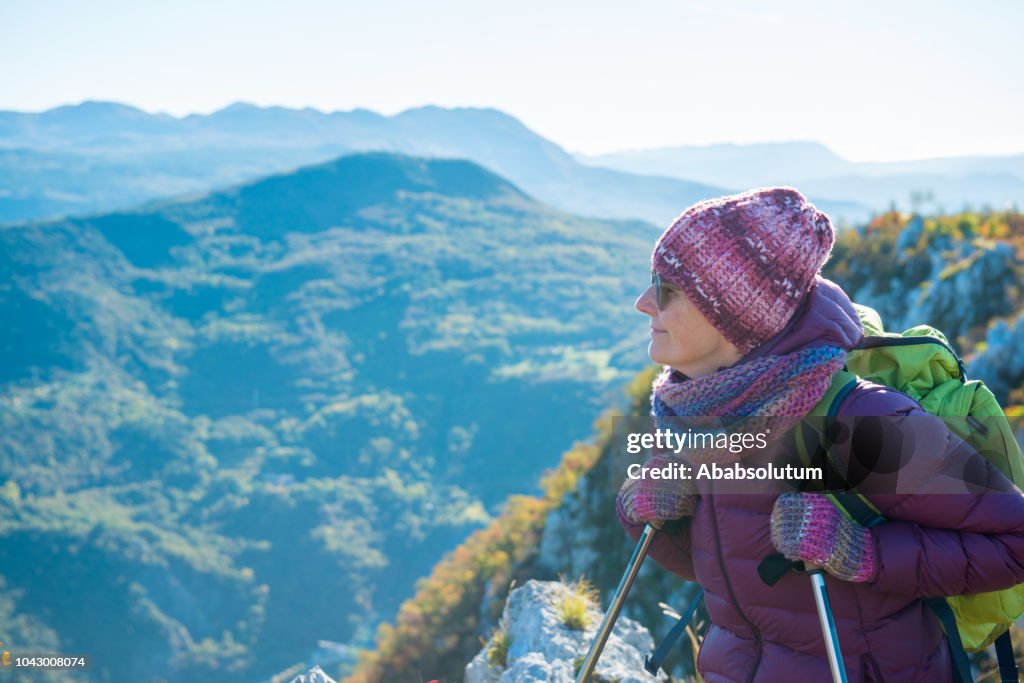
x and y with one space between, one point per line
746 260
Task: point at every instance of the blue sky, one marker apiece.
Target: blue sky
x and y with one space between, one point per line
872 79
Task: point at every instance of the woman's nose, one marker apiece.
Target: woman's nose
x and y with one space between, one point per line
645 302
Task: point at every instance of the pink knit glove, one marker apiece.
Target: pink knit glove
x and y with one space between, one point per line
657 500
809 527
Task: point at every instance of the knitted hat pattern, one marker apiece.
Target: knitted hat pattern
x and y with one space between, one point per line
746 260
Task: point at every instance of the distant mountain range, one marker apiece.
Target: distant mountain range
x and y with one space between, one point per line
101 156
239 424
942 184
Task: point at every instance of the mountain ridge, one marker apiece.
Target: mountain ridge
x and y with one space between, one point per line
938 184
80 169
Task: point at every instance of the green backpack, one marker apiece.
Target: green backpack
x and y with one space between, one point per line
921 364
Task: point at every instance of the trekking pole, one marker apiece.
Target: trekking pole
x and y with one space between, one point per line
828 625
605 629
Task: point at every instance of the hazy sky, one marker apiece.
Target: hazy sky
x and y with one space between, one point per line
872 79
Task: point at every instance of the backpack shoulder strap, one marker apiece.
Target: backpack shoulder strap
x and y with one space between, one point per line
809 432
843 382
851 503
654 660
854 505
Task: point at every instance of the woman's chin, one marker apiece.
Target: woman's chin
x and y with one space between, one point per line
655 354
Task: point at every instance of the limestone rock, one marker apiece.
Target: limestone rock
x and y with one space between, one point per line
543 649
314 675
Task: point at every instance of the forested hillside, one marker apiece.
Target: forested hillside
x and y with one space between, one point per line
237 425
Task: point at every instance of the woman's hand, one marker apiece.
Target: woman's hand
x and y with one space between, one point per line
809 528
655 501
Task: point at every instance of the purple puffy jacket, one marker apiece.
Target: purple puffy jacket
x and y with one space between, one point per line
933 545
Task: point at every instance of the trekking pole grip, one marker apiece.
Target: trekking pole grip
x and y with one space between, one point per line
618 599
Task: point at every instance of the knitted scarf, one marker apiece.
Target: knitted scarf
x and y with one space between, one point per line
770 393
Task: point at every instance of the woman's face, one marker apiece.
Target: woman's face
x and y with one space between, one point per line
682 338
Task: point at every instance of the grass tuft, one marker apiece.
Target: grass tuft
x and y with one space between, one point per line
497 653
573 610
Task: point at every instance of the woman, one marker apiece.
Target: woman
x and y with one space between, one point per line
746 326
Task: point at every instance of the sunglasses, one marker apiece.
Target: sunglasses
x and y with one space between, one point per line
663 292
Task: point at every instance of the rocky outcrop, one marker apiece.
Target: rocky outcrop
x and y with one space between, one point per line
541 648
999 362
314 675
967 290
955 286
583 538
